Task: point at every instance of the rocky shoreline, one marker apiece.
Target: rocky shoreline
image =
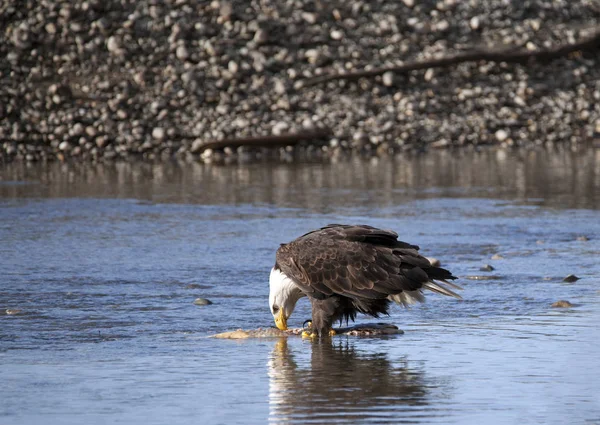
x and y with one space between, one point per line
157 79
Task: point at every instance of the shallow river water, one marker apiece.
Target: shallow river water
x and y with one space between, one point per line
100 265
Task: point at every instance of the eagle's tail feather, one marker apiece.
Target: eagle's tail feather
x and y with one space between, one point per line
451 284
408 298
441 289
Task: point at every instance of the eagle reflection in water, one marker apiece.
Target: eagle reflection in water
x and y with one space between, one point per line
341 385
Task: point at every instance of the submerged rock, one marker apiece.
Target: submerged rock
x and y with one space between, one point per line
483 277
571 278
562 304
487 268
202 301
12 311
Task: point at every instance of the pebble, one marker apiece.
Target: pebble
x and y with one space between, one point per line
583 238
388 79
429 74
487 268
336 35
474 23
261 36
442 25
312 55
13 311
279 87
501 135
113 46
562 304
280 128
497 257
233 67
225 11
310 18
158 133
182 52
202 301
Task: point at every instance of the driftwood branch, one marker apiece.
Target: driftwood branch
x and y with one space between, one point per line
265 141
508 55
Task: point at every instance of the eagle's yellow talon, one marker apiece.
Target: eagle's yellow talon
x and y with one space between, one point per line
307 334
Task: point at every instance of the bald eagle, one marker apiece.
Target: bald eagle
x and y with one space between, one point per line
349 269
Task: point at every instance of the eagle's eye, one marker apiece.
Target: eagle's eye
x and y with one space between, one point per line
275 309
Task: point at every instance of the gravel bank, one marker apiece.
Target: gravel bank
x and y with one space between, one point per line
156 78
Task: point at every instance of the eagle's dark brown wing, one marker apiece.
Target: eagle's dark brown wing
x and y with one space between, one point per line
357 261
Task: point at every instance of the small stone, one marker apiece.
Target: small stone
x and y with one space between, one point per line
197 146
360 139
434 261
442 25
11 149
571 278
501 135
202 301
310 18
519 101
279 86
531 46
225 11
280 128
12 311
158 133
261 36
21 38
336 35
388 79
535 24
409 3
497 257
583 238
312 55
76 130
64 146
50 28
440 144
101 141
91 131
562 304
487 268
182 52
474 23
429 74
233 67
113 46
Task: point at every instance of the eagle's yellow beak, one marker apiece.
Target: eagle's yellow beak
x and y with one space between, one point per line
281 321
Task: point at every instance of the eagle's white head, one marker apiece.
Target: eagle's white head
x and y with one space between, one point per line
283 296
